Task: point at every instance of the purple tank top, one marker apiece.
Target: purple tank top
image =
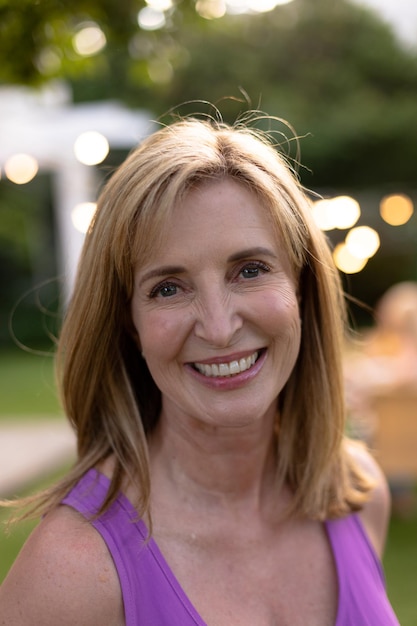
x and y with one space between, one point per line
152 595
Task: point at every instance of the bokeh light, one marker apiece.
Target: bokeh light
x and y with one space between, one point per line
236 6
91 148
49 60
341 212
160 5
322 214
89 40
362 242
160 71
211 9
151 19
263 6
396 209
82 214
346 212
21 168
347 262
253 6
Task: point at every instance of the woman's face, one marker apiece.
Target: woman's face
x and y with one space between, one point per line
216 311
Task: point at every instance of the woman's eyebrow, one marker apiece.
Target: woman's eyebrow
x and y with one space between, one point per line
252 252
166 270
159 272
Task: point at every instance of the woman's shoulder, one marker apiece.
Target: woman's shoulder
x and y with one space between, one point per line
375 514
63 575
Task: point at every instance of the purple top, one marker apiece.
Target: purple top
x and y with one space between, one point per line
153 596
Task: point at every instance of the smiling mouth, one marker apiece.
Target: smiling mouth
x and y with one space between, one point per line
232 368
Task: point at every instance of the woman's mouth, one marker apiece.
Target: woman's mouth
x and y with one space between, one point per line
231 368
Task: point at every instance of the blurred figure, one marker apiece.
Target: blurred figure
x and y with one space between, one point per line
384 363
392 345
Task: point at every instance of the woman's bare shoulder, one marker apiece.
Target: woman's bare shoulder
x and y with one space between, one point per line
376 512
63 575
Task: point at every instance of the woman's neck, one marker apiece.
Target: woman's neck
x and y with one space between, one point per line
221 467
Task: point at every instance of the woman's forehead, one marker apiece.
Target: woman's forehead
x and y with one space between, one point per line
219 222
154 229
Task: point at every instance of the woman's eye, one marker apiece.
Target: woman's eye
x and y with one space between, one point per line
164 291
254 270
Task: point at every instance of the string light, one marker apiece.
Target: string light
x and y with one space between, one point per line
211 9
347 262
82 214
21 168
91 148
362 242
151 19
396 209
341 212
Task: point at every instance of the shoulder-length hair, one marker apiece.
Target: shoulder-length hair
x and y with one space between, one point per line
107 391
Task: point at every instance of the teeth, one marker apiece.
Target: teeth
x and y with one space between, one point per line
227 369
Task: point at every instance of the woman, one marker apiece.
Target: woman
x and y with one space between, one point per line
200 364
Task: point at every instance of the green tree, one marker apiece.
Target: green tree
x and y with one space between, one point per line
333 69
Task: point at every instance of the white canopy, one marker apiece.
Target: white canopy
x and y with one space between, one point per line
45 125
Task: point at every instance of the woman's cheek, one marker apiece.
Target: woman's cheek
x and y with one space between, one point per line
161 332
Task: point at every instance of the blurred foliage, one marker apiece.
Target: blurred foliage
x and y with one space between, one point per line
28 307
330 67
30 30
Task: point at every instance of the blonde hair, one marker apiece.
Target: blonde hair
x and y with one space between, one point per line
107 391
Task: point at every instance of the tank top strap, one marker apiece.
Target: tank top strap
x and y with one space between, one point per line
362 591
151 593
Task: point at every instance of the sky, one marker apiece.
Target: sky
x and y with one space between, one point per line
402 14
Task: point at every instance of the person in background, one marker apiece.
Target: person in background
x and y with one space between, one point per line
382 363
200 364
391 346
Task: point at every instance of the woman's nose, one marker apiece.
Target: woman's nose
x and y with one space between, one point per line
218 318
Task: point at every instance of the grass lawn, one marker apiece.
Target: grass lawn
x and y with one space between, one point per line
400 564
27 385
